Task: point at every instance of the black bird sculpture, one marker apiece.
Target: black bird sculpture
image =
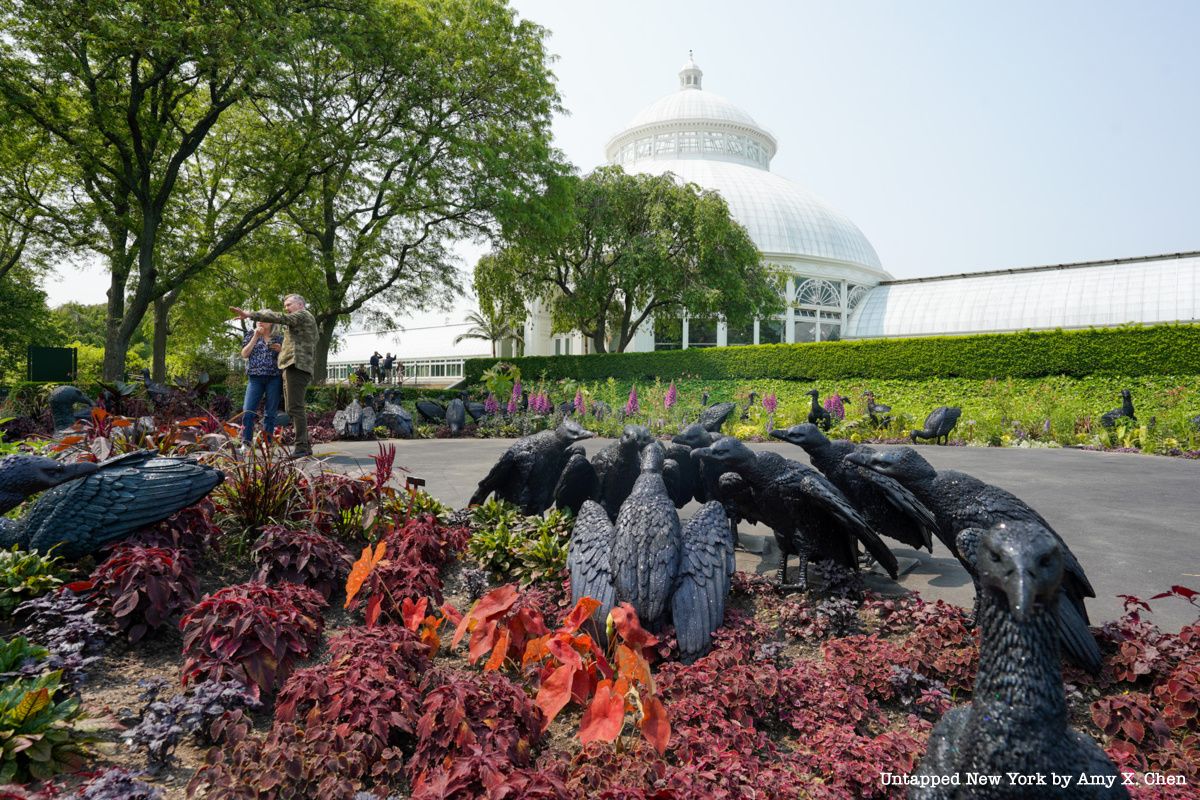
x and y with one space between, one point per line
938 425
577 483
713 417
430 411
86 506
1109 418
707 485
529 471
1017 721
960 501
600 409
157 392
618 466
811 518
888 507
817 415
476 409
682 473
877 412
456 415
63 400
667 571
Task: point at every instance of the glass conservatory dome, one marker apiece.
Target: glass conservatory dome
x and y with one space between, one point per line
705 139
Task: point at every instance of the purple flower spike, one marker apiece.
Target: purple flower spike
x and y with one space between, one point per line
580 402
833 404
671 397
631 405
770 402
490 406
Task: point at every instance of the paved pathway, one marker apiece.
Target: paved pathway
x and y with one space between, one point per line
1133 521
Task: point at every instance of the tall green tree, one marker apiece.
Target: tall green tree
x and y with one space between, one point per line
609 250
130 91
448 106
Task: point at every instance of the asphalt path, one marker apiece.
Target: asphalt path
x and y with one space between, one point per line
1133 521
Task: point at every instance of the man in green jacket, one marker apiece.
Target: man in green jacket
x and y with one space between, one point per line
296 358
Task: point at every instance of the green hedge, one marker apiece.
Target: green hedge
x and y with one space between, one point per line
1152 350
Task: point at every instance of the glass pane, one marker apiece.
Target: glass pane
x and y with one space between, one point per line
770 331
742 334
702 332
668 333
806 331
830 331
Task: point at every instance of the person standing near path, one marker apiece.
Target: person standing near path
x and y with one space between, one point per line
260 348
375 358
296 359
387 368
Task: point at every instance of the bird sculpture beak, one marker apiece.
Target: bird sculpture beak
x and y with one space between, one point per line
701 452
1021 590
778 434
862 459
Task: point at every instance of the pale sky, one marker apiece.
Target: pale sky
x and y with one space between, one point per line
957 136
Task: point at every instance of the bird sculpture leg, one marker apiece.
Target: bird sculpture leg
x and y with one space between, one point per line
788 546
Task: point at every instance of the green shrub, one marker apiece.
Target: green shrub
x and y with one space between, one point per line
1153 350
18 653
37 734
510 546
25 575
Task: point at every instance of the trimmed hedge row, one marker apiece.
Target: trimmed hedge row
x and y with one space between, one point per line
1151 350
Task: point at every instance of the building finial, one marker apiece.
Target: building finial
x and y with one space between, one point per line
690 75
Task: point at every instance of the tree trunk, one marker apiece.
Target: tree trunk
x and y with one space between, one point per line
325 328
598 341
115 345
162 313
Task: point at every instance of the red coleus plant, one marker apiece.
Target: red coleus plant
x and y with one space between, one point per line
1179 694
251 633
144 588
1130 717
300 556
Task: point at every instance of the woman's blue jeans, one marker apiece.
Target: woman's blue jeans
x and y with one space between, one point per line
258 387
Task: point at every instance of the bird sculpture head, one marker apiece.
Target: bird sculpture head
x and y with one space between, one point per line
570 431
704 399
805 435
22 476
634 438
812 393
652 457
727 451
693 436
903 464
68 396
1023 562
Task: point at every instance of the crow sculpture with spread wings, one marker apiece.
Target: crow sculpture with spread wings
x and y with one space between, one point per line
668 571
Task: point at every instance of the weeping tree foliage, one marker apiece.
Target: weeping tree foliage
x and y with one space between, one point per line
449 105
502 310
607 251
133 93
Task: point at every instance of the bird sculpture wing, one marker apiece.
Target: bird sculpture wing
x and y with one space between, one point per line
589 561
713 417
705 569
819 490
577 483
905 502
125 494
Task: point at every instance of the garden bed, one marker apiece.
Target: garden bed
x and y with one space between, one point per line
801 697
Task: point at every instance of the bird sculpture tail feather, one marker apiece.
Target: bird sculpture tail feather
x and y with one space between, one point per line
1078 643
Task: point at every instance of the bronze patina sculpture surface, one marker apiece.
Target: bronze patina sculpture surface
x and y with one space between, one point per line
1017 721
667 571
86 506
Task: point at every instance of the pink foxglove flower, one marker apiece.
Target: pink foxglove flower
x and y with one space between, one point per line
672 396
490 406
580 402
833 404
631 405
770 402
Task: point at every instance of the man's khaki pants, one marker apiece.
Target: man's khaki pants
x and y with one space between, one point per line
295 381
